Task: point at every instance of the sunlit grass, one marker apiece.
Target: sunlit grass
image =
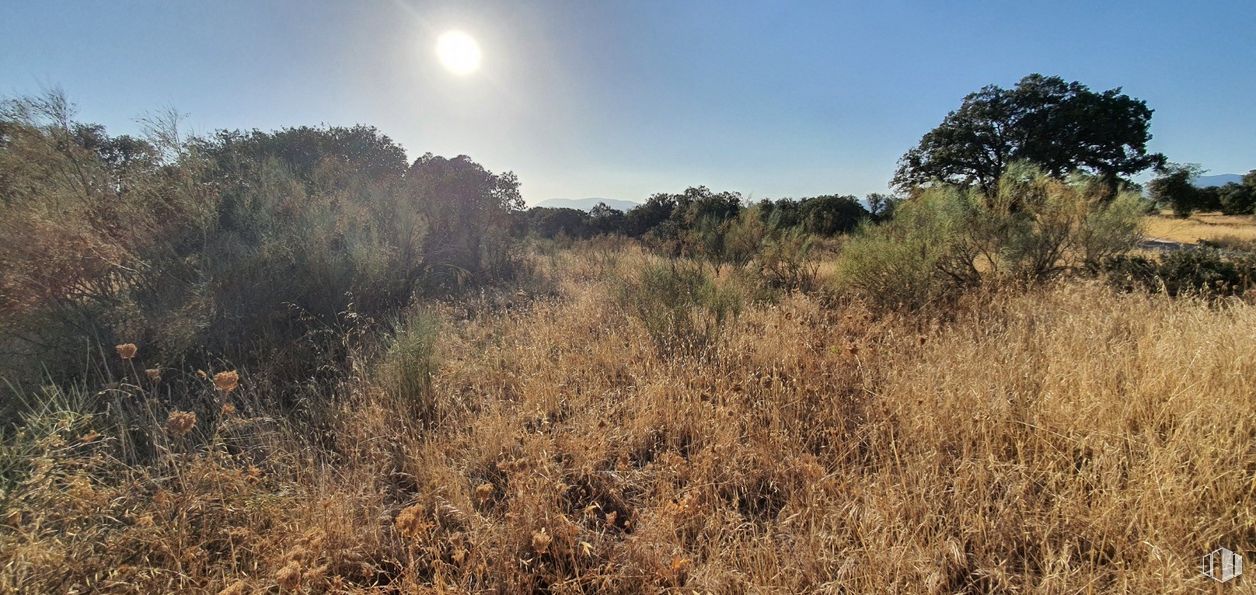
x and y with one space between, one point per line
1064 439
1200 226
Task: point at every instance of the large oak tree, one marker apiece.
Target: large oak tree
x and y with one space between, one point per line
1057 125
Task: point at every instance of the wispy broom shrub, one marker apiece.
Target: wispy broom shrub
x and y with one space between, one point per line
1035 227
405 373
682 308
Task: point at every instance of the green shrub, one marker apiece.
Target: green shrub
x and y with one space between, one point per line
407 367
901 263
1237 199
682 308
1033 228
247 247
785 261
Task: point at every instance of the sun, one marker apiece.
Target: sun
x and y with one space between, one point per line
458 52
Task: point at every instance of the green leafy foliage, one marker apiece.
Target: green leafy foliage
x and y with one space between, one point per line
1172 188
1059 126
407 367
949 238
245 247
682 308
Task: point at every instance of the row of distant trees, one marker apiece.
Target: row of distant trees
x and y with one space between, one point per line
666 216
1174 188
1060 128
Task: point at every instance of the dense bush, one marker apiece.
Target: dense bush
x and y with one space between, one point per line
695 221
1035 227
548 222
902 263
244 247
683 309
785 261
467 209
1237 199
1199 271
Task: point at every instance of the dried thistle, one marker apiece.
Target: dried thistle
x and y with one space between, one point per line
289 577
153 374
227 381
228 409
410 522
541 542
180 423
162 498
679 565
127 351
237 588
483 492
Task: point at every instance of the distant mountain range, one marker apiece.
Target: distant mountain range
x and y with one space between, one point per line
1217 180
585 204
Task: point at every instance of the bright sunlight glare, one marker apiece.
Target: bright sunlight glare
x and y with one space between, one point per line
458 52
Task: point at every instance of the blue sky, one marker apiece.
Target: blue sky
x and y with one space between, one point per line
625 99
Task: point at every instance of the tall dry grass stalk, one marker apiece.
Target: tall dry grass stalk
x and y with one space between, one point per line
1064 440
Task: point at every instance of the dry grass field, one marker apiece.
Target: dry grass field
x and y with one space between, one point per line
1067 439
1201 226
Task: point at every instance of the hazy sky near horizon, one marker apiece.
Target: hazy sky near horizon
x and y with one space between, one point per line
624 99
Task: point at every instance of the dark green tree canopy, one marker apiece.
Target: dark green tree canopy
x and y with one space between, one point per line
1173 188
1056 125
361 149
822 215
467 209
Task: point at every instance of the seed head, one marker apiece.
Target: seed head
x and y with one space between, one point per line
289 577
541 542
180 423
227 381
126 351
410 522
153 374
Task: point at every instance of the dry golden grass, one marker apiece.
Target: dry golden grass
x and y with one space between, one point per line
1201 226
1063 440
